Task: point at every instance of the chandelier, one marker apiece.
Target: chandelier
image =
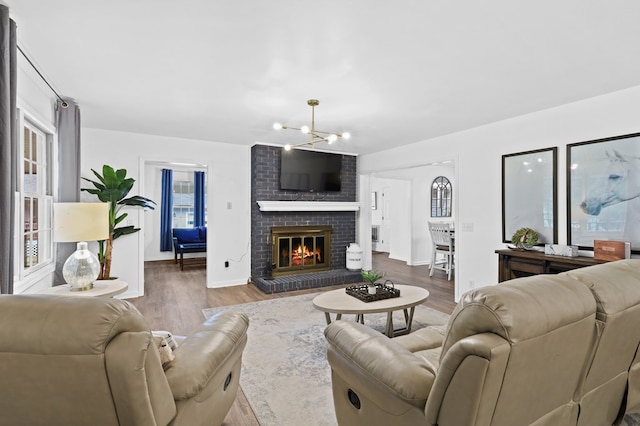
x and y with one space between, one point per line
317 136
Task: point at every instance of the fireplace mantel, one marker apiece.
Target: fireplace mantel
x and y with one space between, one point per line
308 206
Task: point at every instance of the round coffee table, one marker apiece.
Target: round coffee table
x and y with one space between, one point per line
339 302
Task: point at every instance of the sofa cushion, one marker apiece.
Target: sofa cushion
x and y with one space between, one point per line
202 233
520 309
187 235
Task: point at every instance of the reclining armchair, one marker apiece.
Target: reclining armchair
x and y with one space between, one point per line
68 360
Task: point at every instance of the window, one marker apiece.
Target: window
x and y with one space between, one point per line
441 197
35 200
184 200
183 203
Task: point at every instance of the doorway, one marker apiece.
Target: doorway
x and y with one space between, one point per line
182 214
403 208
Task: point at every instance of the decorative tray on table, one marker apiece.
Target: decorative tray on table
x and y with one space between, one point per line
383 291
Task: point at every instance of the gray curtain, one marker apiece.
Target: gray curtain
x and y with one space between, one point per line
68 125
8 147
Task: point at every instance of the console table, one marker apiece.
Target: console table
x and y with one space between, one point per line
523 263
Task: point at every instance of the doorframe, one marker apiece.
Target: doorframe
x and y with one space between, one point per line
142 167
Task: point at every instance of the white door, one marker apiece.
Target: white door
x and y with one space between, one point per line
385 222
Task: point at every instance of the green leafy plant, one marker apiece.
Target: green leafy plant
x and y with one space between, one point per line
371 276
112 187
525 238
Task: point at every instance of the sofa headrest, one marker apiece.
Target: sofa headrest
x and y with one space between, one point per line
47 324
187 235
614 284
520 309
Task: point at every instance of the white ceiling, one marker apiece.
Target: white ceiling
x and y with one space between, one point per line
391 73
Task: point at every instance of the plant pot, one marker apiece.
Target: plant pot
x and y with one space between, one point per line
372 289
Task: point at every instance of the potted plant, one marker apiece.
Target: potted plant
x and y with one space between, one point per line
112 187
371 277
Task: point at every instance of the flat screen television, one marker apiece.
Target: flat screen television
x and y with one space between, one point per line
310 171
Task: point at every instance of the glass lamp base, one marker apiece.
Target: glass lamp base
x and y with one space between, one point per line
81 288
81 268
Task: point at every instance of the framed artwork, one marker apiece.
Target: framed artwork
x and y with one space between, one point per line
603 191
529 194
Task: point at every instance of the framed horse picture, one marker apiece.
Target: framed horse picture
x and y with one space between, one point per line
603 191
529 194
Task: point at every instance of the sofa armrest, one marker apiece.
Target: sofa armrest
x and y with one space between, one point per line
203 354
481 359
377 367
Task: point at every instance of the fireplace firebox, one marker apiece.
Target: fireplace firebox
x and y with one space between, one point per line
299 249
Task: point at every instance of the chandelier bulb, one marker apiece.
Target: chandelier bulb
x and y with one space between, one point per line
332 138
277 126
287 147
346 135
305 130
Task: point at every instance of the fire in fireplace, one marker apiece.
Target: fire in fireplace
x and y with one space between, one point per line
300 249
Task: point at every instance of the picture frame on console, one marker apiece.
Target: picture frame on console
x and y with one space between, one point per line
529 194
603 191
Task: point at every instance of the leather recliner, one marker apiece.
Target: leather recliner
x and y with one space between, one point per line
544 350
76 360
616 289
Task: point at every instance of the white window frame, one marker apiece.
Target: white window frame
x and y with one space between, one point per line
181 177
25 277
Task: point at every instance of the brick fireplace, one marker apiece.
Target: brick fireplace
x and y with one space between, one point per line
340 223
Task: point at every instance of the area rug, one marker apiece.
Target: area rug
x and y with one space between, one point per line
285 374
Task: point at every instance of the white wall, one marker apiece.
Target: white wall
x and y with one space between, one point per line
228 194
478 154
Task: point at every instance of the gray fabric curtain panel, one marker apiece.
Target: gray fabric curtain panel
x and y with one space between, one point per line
8 147
68 124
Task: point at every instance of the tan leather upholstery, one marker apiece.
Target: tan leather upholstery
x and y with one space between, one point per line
543 350
616 288
72 361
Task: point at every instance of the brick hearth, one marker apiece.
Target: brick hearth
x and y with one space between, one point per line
294 282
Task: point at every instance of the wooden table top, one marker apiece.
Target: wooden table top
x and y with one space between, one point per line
339 302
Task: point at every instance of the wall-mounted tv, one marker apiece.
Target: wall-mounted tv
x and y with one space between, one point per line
310 171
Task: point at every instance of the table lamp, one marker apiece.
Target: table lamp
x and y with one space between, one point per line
79 223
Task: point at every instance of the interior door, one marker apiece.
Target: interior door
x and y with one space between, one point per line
385 222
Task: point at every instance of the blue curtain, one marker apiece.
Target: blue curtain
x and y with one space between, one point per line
166 210
198 207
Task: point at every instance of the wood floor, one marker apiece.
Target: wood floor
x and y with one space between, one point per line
174 301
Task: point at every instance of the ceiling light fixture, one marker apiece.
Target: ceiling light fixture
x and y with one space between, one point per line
316 135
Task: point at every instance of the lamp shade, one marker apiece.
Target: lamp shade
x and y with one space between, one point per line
73 222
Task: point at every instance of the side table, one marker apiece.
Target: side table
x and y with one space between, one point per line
102 288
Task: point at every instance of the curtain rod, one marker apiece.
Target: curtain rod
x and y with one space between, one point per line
63 103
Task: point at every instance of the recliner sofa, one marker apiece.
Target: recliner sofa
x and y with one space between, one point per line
93 361
542 350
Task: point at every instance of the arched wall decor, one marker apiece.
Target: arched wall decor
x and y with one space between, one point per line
441 197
